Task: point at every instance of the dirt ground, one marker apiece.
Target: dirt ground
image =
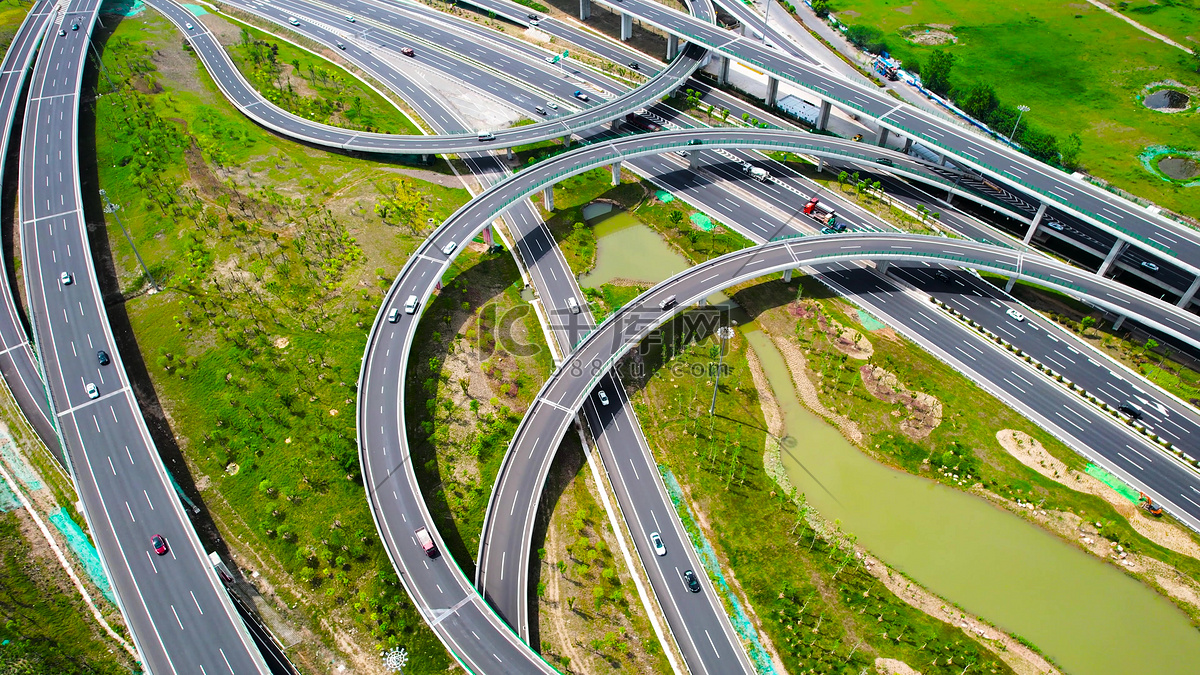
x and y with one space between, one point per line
1031 453
924 410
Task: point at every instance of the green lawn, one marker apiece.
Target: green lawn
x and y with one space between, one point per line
1176 19
45 629
273 262
820 608
1079 69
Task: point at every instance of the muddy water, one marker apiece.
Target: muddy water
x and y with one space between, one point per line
1083 613
628 249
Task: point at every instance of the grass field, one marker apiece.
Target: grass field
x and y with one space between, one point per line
1079 70
45 628
273 263
820 609
1176 19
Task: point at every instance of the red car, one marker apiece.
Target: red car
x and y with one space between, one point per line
159 543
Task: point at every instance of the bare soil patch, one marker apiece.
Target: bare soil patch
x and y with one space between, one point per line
924 410
929 35
1031 453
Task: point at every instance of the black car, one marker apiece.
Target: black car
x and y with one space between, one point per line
634 65
1134 412
693 584
884 161
102 357
695 141
941 275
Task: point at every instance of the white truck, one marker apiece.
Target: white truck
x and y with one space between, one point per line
757 173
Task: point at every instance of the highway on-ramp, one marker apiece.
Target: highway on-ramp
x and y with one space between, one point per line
178 613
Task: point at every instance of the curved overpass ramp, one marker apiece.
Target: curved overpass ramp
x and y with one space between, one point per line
252 104
391 485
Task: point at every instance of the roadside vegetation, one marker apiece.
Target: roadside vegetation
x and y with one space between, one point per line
1080 71
590 619
272 262
478 360
45 629
308 86
808 592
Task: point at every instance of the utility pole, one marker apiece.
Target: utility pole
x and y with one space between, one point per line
109 207
766 20
1023 109
725 333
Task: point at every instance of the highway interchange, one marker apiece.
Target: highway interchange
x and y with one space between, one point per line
456 615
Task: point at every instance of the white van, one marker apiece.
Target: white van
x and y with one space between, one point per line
293 20
410 305
573 305
394 315
485 136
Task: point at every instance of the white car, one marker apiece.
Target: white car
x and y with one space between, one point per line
294 21
189 25
603 397
1016 316
92 391
449 248
350 18
534 22
65 278
394 315
552 105
551 59
657 542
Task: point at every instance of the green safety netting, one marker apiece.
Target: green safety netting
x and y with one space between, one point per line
869 322
84 551
1114 483
702 221
664 196
8 500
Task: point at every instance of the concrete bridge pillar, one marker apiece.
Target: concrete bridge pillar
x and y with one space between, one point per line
672 46
694 160
487 236
772 91
1190 294
616 173
585 10
787 276
823 116
820 165
723 73
1033 225
626 26
883 136
1012 281
548 198
907 145
1120 320
1117 249
882 266
566 141
509 154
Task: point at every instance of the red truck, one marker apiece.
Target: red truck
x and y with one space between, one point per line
824 215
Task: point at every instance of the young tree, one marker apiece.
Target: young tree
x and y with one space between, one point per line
1069 151
936 73
979 101
1087 323
821 8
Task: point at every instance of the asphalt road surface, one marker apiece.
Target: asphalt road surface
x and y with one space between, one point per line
179 615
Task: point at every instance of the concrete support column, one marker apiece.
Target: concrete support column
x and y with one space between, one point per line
509 154
823 116
949 197
1190 295
616 173
820 165
487 236
883 136
694 160
1037 219
907 145
787 276
1117 249
548 198
772 90
672 46
567 141
626 26
616 124
882 266
723 73
424 159
1012 281
1120 320
942 160
585 10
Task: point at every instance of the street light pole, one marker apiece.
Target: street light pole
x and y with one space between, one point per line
766 20
725 333
1023 109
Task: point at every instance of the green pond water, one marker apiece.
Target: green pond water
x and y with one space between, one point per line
1085 614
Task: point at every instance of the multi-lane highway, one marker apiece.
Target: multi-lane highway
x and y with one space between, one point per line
18 364
1156 235
178 613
